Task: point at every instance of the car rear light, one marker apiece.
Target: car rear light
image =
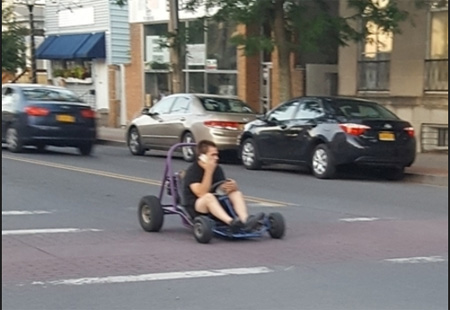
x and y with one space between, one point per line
354 129
222 125
88 113
37 111
409 131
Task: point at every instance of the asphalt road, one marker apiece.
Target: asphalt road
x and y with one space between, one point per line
71 240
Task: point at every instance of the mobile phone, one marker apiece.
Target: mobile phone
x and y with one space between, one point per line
203 158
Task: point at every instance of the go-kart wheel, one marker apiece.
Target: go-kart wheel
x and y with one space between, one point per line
277 226
151 214
203 229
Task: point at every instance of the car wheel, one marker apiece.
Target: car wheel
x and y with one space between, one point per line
203 229
85 148
13 140
322 163
134 142
249 155
395 174
151 214
188 151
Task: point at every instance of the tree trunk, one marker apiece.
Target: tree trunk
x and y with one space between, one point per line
281 41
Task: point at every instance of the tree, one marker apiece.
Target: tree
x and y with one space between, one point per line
302 25
13 41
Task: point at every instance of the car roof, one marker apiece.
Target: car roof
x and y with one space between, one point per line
200 95
25 85
334 98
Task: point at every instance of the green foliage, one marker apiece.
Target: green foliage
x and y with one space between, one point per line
309 23
13 41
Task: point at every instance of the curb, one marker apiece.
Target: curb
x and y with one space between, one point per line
110 142
427 179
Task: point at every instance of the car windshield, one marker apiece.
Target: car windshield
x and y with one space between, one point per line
50 94
353 109
225 105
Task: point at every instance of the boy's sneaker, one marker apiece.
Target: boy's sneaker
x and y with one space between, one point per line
253 221
236 225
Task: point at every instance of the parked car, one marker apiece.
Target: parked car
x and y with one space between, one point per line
189 118
42 115
326 132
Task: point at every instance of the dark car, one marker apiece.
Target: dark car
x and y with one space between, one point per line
326 132
42 115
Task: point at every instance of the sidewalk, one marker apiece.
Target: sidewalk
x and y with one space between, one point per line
428 168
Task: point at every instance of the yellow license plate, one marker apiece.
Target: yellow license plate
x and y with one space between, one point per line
65 118
386 136
241 126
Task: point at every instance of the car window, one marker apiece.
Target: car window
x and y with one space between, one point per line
362 110
284 112
309 110
226 105
181 106
163 106
49 94
8 95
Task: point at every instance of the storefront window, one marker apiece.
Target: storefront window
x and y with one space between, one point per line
196 82
222 84
221 54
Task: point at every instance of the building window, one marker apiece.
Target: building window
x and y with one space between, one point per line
374 62
436 66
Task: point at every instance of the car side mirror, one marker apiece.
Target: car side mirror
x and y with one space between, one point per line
145 110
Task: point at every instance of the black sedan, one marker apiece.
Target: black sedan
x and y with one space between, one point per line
42 115
326 132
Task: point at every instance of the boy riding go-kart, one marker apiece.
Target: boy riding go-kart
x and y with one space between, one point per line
210 209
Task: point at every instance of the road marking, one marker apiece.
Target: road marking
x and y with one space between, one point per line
159 276
24 212
415 260
259 201
359 219
44 231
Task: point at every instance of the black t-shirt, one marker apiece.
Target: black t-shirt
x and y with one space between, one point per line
194 174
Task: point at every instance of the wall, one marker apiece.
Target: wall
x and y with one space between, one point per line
406 96
134 73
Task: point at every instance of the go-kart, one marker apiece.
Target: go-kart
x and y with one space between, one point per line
170 201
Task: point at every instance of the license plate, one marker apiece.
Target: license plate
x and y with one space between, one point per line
65 118
241 126
386 136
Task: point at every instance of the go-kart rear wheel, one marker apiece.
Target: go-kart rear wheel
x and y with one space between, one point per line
277 226
203 229
151 214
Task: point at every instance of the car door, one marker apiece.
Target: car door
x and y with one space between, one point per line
174 123
152 129
300 132
270 138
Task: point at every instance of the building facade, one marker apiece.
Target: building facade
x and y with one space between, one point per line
407 72
87 48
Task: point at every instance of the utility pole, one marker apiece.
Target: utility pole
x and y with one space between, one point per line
30 5
175 51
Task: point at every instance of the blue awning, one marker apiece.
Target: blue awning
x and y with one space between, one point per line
73 46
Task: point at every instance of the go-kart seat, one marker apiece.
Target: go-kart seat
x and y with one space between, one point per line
181 200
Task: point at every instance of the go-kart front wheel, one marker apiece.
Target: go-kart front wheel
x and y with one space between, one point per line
203 229
151 214
277 227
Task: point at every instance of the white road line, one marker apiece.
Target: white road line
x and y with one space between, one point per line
45 231
24 212
415 260
359 219
159 276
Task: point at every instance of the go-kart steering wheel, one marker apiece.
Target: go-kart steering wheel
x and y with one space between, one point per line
215 188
